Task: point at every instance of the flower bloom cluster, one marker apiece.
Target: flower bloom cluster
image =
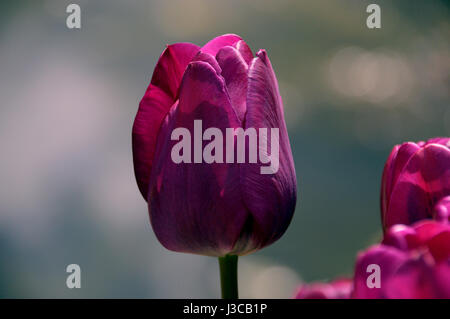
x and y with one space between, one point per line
413 259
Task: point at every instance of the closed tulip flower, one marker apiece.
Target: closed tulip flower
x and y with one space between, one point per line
414 263
416 176
213 202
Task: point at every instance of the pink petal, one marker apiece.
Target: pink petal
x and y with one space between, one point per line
439 246
444 141
337 289
423 181
208 58
213 46
441 211
159 97
234 71
171 65
415 279
270 197
152 110
402 237
245 51
395 164
389 259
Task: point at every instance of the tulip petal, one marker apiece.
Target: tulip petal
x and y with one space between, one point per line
234 71
441 211
213 46
415 279
159 97
401 237
427 229
270 197
397 160
245 51
337 289
315 291
444 141
389 259
424 180
197 207
171 65
442 279
152 110
386 182
439 246
208 58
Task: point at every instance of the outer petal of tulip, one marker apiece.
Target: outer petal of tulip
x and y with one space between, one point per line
401 237
427 229
270 197
416 279
198 208
442 275
423 182
234 71
154 106
152 110
444 141
407 238
389 259
171 66
398 158
244 50
337 289
439 246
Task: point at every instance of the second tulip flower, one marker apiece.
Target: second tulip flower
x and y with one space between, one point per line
415 178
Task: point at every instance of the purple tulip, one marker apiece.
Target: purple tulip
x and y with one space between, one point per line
212 208
416 176
337 289
414 263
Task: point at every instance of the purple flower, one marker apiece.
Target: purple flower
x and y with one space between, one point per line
222 207
337 289
416 176
414 262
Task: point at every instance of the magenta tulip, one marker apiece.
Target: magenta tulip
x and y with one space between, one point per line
442 210
223 207
337 289
414 262
416 176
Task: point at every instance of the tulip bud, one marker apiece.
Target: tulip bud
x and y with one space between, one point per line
215 204
415 177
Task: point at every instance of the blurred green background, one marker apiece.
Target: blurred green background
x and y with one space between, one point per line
68 100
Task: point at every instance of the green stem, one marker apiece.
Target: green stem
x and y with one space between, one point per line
228 276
